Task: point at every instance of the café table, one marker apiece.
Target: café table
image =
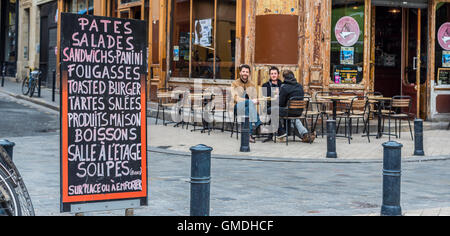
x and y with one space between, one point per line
335 100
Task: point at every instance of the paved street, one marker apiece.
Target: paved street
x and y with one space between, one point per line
239 186
21 118
243 187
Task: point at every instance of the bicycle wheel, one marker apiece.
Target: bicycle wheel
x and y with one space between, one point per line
32 87
9 202
26 86
23 198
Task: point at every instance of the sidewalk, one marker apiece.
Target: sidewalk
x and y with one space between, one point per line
177 140
14 89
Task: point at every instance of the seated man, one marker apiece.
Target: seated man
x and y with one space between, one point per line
272 89
243 92
291 88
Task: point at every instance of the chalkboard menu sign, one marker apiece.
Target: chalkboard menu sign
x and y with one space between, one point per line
103 109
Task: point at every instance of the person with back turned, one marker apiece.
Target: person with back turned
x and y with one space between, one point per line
291 88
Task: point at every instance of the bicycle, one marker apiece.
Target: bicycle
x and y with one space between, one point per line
30 82
14 197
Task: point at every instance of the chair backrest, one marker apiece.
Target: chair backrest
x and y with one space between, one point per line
359 103
219 101
298 104
401 102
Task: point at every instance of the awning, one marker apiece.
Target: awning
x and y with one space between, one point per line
401 3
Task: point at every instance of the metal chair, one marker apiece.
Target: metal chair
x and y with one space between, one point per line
324 107
399 109
296 105
165 102
358 109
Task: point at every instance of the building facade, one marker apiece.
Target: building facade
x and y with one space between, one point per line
394 47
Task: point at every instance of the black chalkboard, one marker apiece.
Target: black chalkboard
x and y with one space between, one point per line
443 76
103 109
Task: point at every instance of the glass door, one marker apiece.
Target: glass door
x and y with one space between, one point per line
414 58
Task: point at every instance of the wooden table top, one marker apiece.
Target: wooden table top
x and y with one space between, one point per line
337 97
379 98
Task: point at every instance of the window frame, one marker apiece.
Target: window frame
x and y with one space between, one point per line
363 31
215 78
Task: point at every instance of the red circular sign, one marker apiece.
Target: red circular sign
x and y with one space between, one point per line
347 31
444 36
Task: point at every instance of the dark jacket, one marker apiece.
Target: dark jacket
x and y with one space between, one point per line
289 89
268 87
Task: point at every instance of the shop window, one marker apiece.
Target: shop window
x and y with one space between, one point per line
10 42
443 44
347 41
207 38
128 1
80 6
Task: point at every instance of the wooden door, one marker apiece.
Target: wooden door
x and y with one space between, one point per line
414 68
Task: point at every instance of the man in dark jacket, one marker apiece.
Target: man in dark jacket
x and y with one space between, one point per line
272 89
273 84
291 88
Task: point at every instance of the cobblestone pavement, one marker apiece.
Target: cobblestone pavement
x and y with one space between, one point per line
178 139
249 188
280 180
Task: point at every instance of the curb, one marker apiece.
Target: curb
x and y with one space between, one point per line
405 159
33 100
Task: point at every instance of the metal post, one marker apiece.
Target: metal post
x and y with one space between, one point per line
3 73
418 138
245 130
8 146
331 139
53 85
39 84
200 179
391 179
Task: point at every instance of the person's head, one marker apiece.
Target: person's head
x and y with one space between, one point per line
289 76
244 72
274 73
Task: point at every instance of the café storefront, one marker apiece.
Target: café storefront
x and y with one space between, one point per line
393 47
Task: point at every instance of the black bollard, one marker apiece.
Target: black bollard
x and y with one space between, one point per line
200 179
8 146
391 179
331 139
418 138
3 71
245 130
39 84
